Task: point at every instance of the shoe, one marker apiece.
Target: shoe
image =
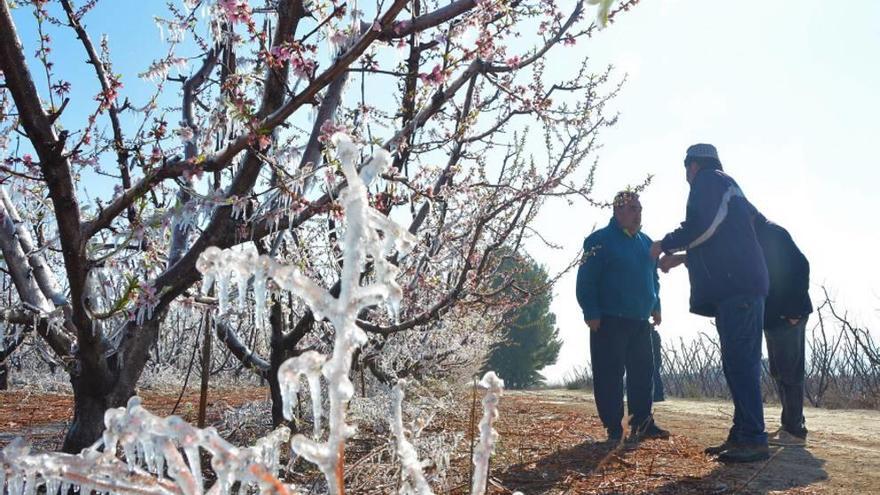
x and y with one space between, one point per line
651 432
614 437
744 453
782 438
718 449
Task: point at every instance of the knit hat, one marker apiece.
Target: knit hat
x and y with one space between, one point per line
703 150
624 197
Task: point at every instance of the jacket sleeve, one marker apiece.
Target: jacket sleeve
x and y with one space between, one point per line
707 207
798 303
588 277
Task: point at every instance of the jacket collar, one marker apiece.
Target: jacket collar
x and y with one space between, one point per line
614 224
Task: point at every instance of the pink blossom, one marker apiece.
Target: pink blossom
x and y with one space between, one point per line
329 128
436 77
27 159
513 62
236 10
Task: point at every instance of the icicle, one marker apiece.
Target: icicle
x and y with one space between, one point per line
261 274
223 291
488 436
195 465
52 486
16 485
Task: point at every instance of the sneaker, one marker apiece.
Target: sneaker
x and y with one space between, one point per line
744 453
782 438
718 449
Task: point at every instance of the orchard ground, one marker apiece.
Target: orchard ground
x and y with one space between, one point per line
551 441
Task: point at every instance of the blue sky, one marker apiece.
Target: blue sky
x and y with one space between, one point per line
787 91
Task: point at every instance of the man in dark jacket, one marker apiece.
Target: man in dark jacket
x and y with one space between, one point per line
617 289
729 281
786 310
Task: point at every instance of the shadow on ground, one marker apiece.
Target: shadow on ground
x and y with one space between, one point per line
673 466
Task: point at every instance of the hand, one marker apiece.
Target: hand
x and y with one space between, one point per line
656 250
670 261
594 324
655 316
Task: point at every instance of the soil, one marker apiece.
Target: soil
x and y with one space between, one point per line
551 441
42 418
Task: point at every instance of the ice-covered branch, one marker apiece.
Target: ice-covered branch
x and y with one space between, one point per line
488 435
409 458
367 235
151 446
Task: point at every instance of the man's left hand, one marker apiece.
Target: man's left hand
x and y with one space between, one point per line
656 250
655 316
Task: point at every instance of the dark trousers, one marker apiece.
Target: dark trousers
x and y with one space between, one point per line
785 348
622 345
740 321
659 394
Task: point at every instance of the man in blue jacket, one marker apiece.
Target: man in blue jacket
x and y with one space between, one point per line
617 289
786 310
729 281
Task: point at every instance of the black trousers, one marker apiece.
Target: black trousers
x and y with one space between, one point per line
659 393
785 349
622 345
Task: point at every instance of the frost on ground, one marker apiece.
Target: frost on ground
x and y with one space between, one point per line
151 460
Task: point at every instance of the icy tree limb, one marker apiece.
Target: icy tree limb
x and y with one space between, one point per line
122 153
409 458
180 229
239 349
361 240
488 436
42 273
27 287
150 444
55 167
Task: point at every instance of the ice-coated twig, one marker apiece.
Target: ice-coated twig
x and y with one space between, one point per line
151 446
409 458
483 451
362 240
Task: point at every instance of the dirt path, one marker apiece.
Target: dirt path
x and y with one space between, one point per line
552 443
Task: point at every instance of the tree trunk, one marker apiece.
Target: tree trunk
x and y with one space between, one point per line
107 384
277 355
89 406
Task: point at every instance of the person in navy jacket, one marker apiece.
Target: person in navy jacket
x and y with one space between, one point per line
729 281
786 311
617 289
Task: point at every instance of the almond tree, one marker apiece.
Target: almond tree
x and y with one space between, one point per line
261 89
